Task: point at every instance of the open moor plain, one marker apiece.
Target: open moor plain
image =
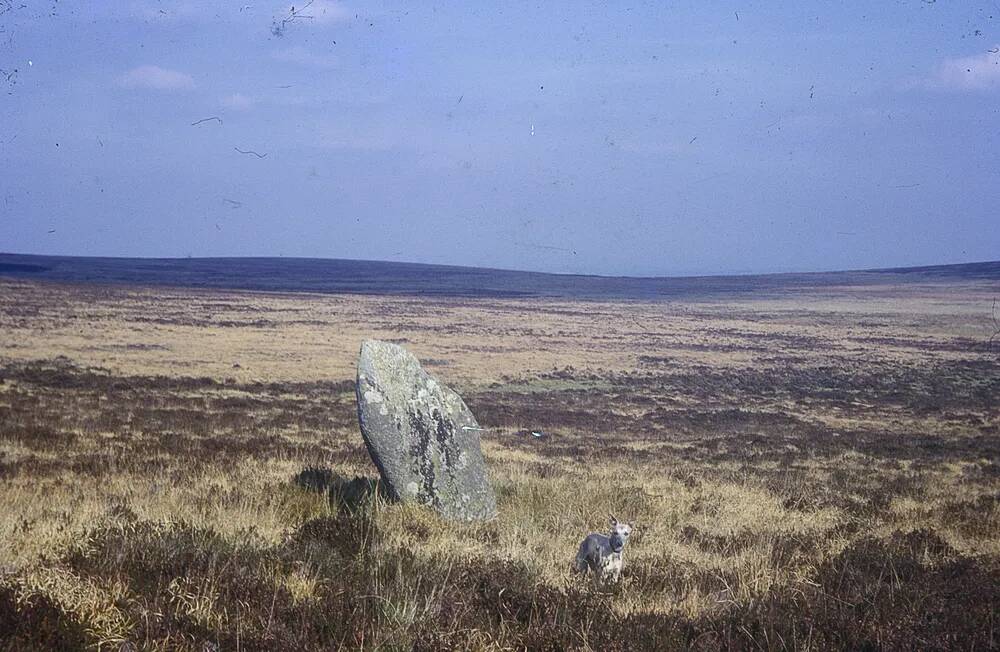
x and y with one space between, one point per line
806 468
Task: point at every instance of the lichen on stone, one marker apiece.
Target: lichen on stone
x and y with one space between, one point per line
412 427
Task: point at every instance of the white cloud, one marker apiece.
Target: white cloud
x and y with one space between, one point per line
300 55
238 101
157 78
977 72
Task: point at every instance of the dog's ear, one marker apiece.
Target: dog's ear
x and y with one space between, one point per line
614 521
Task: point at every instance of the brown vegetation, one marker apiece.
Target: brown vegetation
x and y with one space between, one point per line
178 471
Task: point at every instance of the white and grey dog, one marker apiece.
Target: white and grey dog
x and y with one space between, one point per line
602 553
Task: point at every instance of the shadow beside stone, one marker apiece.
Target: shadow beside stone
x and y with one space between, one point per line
353 494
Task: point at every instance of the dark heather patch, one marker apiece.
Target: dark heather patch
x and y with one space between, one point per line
973 518
910 588
35 622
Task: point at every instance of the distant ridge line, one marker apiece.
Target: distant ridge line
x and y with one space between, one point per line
343 276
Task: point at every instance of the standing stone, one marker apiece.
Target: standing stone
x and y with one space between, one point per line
413 428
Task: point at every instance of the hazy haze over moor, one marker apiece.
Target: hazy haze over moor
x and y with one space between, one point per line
649 138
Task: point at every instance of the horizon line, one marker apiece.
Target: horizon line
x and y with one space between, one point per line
792 272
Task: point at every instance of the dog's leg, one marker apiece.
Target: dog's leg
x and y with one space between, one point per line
598 579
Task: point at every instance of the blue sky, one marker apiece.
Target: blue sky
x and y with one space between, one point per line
611 138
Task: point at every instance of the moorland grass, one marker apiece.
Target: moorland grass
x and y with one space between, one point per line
817 493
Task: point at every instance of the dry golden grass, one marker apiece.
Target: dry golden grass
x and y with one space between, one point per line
806 470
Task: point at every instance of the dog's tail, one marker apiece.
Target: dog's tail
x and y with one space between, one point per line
579 564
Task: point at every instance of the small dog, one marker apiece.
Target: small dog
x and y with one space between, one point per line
603 553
